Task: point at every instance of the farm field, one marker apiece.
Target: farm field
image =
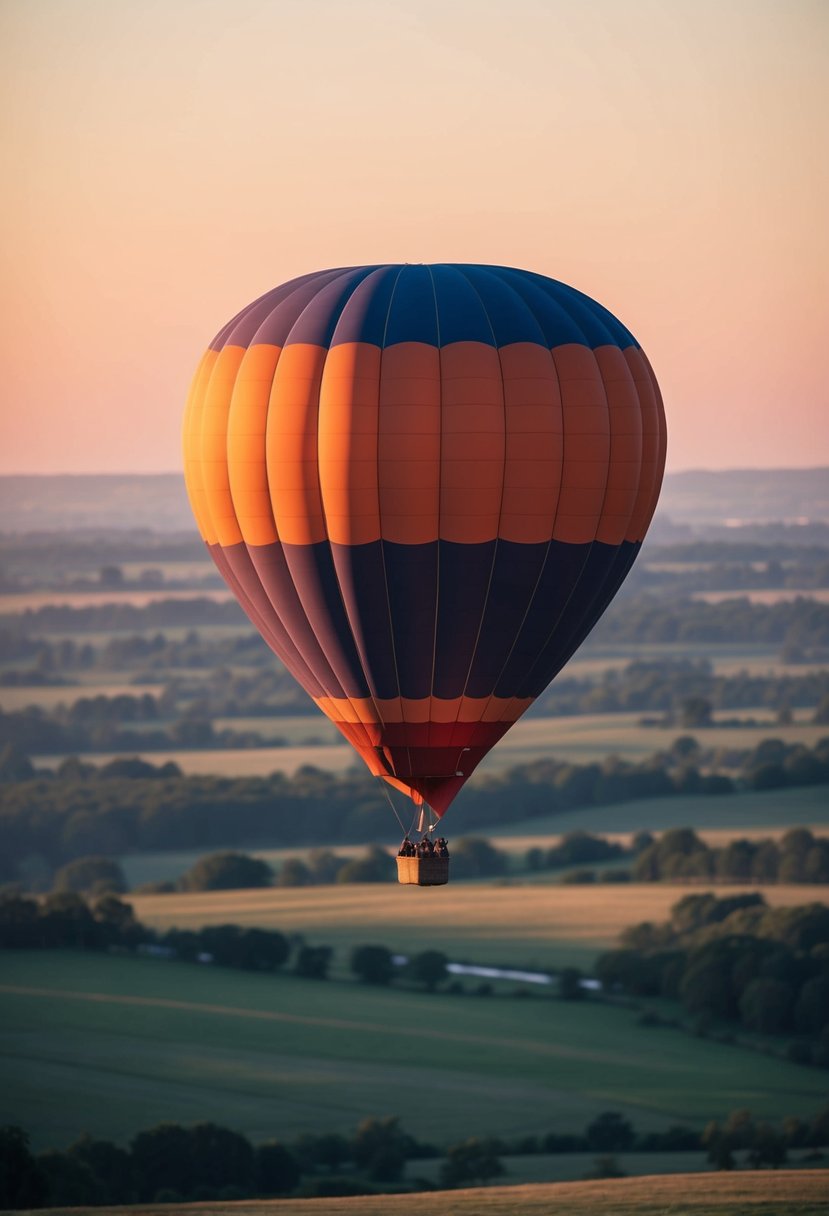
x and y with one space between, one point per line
763 810
50 696
536 927
584 738
115 1044
782 1193
30 601
766 595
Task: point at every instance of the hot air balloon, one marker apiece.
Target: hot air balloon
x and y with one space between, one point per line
424 484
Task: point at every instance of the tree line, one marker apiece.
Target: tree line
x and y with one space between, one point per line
734 960
634 617
128 805
171 1163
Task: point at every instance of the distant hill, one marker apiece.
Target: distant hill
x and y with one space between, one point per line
746 496
158 502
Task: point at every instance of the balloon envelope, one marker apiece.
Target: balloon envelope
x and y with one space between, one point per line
424 484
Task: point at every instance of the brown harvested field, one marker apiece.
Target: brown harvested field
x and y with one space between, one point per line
781 1193
542 926
766 595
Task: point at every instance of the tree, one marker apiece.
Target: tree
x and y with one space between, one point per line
312 962
717 1146
695 712
474 857
474 1161
275 1169
69 1182
21 1183
162 1159
373 866
379 1147
293 873
427 968
610 1132
766 1005
227 872
112 1165
569 984
811 1012
372 964
768 1148
15 765
220 1157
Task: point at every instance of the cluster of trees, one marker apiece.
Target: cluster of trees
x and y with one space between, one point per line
636 617
734 960
800 622
129 805
735 567
667 685
65 920
41 732
679 855
170 1163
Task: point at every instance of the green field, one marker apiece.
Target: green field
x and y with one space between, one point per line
517 925
783 1193
744 811
113 1044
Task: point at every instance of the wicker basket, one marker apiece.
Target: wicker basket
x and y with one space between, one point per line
423 871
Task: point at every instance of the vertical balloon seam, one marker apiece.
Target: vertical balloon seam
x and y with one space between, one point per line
380 509
543 563
328 277
282 644
577 581
474 650
358 724
239 591
526 675
592 599
607 576
611 577
301 657
334 564
440 501
375 747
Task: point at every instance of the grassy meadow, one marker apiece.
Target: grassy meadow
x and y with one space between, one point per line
114 1044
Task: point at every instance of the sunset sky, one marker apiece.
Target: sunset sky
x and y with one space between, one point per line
166 161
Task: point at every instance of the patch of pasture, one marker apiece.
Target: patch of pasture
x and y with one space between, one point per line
111 1045
763 811
766 595
497 923
51 697
30 601
232 762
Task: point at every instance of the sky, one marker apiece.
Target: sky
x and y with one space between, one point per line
167 161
